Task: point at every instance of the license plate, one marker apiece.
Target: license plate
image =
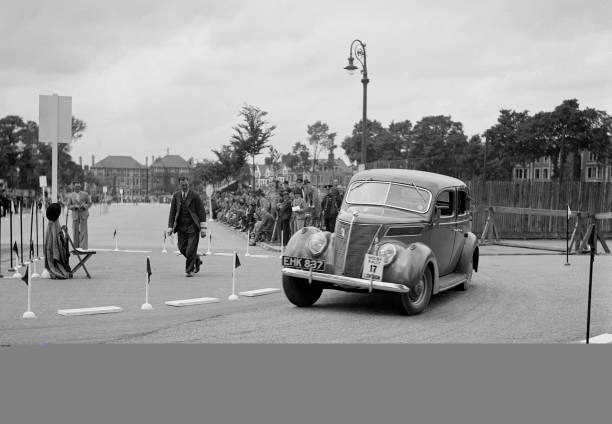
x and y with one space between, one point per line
303 263
372 268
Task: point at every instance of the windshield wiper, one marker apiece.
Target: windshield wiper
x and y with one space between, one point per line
418 191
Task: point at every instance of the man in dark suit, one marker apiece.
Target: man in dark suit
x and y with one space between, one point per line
188 219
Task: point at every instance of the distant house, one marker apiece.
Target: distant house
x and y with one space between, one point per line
591 169
164 173
121 172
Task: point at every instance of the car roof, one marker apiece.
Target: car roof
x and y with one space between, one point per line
429 180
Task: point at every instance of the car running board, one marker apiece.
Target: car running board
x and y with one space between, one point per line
451 280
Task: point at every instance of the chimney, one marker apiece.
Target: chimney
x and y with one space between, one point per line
147 161
93 160
81 161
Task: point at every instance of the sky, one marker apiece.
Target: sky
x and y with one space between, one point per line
156 76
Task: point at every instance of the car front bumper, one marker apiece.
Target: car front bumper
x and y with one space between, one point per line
341 280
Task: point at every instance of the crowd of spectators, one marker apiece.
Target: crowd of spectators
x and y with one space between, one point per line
275 213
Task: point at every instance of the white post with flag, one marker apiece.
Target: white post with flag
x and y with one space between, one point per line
115 237
281 245
165 236
147 306
27 278
208 252
235 264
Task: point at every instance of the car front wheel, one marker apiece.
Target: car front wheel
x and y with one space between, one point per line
416 300
300 292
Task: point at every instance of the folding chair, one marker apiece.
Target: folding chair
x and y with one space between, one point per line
83 255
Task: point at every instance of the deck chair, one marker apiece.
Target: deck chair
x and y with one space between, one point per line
82 255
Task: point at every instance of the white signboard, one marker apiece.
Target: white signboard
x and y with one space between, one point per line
42 180
209 190
121 191
104 189
372 268
55 119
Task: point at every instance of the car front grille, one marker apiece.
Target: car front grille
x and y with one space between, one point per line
360 239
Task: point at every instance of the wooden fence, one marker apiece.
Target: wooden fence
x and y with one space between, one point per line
588 197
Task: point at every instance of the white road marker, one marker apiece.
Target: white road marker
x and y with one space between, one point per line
259 292
194 301
90 311
601 339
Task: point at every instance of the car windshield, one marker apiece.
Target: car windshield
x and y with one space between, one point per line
400 196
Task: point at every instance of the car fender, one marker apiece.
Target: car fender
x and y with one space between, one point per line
470 250
410 263
297 244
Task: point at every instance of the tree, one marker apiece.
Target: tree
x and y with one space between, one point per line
252 135
274 160
438 144
505 144
298 159
562 135
352 144
320 139
230 163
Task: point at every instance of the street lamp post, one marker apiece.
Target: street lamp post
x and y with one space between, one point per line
358 49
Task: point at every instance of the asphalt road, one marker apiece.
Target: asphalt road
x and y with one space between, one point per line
513 299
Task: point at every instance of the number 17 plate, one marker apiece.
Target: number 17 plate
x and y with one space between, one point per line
303 263
372 268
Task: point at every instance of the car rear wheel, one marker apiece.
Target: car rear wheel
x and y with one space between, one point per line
416 300
300 292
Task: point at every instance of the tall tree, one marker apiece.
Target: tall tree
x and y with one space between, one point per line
320 139
251 135
352 144
505 144
438 144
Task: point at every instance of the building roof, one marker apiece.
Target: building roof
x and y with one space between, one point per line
170 161
118 162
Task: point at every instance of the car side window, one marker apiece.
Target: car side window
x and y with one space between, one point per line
463 205
446 203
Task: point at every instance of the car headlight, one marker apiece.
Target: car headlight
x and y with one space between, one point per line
387 251
316 243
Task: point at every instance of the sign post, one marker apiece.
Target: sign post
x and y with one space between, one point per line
55 126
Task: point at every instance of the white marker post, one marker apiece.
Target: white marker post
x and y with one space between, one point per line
54 126
147 306
208 252
248 242
115 236
121 193
233 296
165 237
209 192
281 245
29 313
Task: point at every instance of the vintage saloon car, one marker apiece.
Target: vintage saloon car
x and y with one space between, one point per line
401 231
